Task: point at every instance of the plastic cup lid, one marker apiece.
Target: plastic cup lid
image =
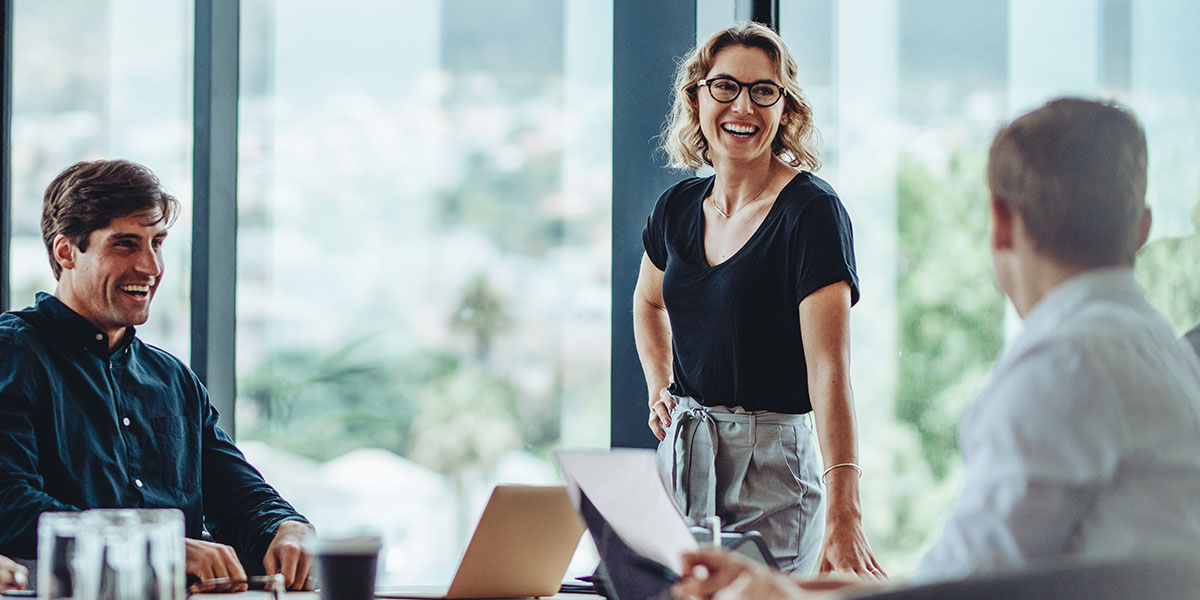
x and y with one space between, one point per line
356 542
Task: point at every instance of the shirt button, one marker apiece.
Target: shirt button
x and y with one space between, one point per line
99 337
137 482
125 421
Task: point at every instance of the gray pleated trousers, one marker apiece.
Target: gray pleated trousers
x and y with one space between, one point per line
756 470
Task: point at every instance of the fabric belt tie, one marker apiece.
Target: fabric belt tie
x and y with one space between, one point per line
695 441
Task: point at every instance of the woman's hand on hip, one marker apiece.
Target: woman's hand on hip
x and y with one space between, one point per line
660 413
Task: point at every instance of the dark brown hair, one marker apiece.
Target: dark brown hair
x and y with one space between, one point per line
87 196
1075 170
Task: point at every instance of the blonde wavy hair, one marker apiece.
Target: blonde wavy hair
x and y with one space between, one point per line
796 140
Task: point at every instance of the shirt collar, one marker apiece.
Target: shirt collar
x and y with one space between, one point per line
1117 283
77 328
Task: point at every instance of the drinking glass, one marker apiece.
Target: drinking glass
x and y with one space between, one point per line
132 554
706 530
58 569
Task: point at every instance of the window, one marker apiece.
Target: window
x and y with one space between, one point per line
426 221
423 257
102 79
907 96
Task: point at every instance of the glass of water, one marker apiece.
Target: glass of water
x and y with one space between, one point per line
58 567
132 554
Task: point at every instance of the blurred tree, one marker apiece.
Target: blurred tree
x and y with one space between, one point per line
1169 271
512 175
481 313
508 204
950 313
950 319
465 421
323 405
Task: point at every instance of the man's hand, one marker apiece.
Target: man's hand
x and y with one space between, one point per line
706 574
660 413
208 560
722 575
763 584
287 554
12 575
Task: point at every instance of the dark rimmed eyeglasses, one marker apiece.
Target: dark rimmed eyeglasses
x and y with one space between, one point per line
726 89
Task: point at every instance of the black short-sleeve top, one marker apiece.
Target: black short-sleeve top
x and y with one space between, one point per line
736 326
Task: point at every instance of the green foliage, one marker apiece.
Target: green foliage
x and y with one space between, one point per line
906 502
482 314
950 319
508 191
322 405
507 203
1169 271
455 414
950 313
465 420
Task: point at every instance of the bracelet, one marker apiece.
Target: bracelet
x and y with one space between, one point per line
856 467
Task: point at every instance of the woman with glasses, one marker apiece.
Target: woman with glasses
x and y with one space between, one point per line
741 312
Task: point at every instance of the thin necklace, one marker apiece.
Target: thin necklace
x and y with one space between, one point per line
756 198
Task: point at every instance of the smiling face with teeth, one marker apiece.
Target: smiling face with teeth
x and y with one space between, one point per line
740 131
112 283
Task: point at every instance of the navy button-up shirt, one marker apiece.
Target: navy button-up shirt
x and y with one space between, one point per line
82 427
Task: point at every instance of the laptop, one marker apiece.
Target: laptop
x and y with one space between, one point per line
520 549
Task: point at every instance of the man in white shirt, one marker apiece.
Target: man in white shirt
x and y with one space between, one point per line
1086 441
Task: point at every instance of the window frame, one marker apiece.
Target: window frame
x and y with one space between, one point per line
647 39
6 103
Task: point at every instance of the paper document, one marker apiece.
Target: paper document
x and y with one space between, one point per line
624 485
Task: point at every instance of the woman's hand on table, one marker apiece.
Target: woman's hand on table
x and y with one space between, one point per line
846 553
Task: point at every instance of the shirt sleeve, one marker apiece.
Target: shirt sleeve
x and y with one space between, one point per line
240 508
1039 444
823 248
654 236
22 498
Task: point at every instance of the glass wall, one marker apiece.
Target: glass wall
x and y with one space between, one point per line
102 79
423 257
424 239
907 95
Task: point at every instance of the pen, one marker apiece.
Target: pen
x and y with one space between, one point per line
270 581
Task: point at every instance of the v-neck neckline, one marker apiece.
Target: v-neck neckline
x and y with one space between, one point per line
700 225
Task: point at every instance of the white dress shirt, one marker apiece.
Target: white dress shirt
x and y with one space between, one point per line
1085 442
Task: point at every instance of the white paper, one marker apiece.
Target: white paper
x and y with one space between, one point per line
624 485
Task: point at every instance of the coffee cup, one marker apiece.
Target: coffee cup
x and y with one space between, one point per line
347 564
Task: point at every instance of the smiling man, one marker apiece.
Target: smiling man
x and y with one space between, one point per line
92 417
